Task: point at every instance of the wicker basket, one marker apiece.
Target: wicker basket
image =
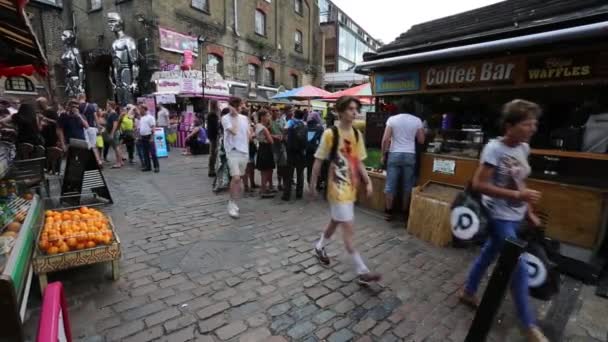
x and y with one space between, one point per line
429 218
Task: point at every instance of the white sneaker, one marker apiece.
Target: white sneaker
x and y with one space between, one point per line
233 210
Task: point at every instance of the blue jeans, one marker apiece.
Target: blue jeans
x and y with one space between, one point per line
400 164
500 230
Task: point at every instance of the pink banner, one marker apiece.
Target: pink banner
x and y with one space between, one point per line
177 42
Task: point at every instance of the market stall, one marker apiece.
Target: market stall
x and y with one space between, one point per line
459 92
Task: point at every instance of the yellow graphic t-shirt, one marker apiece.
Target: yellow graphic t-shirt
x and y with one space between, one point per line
343 178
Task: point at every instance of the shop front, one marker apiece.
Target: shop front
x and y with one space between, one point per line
459 93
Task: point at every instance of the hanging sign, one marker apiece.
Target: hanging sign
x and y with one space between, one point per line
177 42
396 82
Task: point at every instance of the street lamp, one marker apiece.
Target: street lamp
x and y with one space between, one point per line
201 42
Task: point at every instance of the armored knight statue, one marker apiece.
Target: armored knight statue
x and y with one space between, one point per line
72 63
124 72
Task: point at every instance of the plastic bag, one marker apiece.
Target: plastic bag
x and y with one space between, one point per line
469 218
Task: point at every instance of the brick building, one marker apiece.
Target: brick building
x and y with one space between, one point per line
272 43
47 19
345 43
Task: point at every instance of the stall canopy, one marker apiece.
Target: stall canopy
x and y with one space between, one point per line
21 51
363 90
303 93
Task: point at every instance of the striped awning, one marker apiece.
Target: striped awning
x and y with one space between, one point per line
21 51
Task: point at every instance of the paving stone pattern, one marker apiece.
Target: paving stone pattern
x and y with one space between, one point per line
190 273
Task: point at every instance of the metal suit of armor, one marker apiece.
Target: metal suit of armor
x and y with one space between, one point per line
124 72
72 63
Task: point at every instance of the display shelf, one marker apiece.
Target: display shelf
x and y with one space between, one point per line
16 276
570 154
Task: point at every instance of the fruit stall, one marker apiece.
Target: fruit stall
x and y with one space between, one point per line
20 219
75 237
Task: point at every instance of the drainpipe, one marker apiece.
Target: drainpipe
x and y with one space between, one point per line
236 18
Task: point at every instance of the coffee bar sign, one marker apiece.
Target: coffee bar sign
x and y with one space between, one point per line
471 75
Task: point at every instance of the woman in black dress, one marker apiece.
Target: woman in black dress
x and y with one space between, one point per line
265 158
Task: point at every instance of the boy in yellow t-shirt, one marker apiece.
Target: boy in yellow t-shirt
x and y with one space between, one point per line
343 146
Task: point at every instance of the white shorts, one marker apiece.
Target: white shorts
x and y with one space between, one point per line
237 163
342 212
90 135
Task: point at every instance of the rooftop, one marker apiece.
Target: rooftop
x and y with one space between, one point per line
505 19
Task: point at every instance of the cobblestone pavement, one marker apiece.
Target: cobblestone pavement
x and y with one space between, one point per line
190 273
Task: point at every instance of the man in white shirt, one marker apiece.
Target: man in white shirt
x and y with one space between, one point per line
163 120
146 133
237 133
400 136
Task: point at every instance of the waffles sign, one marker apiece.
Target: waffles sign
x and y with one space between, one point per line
475 74
564 68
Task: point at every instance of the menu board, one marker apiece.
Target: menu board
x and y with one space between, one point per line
374 128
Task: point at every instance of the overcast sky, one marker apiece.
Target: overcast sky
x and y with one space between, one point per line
387 19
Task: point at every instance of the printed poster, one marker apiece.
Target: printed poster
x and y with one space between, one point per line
160 143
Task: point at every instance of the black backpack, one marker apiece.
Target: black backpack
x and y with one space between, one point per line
297 137
315 141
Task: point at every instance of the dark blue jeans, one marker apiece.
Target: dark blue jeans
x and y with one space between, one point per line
149 152
500 230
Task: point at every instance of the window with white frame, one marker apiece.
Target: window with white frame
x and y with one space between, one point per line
298 41
20 84
260 22
217 61
298 7
94 5
268 76
252 71
202 5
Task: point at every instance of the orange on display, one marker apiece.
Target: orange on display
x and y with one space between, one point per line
71 230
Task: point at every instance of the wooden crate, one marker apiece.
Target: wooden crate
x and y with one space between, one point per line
429 218
44 264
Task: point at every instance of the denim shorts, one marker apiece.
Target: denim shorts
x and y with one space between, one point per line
400 166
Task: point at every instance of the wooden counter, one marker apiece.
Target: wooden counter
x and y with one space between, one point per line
574 214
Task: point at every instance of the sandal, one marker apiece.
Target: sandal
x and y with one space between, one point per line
116 166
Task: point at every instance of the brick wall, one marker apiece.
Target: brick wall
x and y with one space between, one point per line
217 25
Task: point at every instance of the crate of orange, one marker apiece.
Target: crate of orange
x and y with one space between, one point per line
72 238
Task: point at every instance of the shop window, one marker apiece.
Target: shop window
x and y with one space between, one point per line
20 84
298 7
295 82
252 71
217 61
299 46
202 5
260 23
269 76
94 5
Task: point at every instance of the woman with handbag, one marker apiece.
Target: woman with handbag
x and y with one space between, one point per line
500 178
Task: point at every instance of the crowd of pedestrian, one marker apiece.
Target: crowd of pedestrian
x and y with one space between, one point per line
279 145
123 130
